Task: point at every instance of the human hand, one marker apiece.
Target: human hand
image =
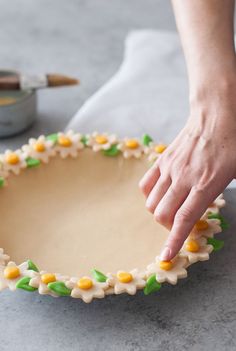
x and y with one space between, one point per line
196 167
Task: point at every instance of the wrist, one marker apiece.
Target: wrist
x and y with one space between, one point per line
212 84
214 97
211 73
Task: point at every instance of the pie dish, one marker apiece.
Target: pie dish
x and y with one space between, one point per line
70 204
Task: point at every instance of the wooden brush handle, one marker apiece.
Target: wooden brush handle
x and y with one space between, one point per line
14 82
58 80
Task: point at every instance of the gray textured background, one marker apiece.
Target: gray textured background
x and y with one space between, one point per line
79 37
85 37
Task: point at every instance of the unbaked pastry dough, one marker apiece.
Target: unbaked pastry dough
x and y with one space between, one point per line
75 214
82 211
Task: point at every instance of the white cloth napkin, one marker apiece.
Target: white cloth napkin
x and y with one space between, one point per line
148 94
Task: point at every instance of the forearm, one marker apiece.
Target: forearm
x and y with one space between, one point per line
200 162
207 35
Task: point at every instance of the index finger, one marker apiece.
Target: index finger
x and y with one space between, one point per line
186 217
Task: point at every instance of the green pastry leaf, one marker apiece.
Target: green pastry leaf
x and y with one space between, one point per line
52 137
32 266
84 140
152 285
2 182
113 151
146 139
23 283
217 244
32 162
223 223
59 288
98 276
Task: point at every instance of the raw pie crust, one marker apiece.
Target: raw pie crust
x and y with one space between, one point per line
83 211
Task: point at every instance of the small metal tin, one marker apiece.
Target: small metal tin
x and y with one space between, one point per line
19 113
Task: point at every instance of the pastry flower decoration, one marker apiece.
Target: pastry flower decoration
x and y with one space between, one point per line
131 148
154 150
169 271
11 273
86 288
219 201
127 282
40 281
13 161
41 148
217 204
3 257
68 144
101 141
3 172
206 228
196 250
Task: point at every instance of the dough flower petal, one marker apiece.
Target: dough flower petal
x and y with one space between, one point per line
213 227
13 161
40 148
3 172
100 141
3 257
40 281
68 144
11 273
131 148
127 282
216 205
177 271
154 151
86 288
196 250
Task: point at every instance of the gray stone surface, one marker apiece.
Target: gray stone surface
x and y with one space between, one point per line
85 37
79 37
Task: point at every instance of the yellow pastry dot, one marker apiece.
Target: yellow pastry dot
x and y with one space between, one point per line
192 246
48 278
132 144
124 277
165 265
64 141
101 139
85 283
39 147
160 148
201 225
12 159
11 272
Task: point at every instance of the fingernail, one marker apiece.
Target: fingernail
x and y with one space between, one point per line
148 202
141 183
149 205
165 255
